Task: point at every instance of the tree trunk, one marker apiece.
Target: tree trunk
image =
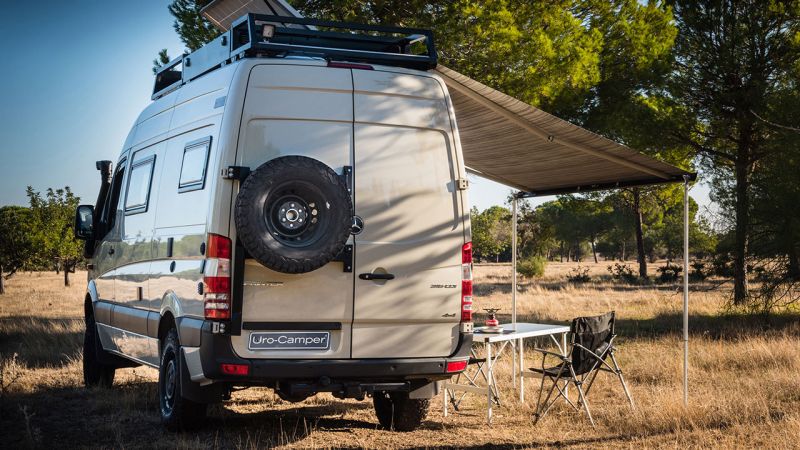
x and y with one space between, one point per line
637 212
66 275
623 252
2 281
794 263
594 251
561 252
740 291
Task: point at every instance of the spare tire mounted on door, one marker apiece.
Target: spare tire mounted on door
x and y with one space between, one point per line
293 214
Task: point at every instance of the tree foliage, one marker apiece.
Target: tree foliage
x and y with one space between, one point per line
733 62
16 247
51 229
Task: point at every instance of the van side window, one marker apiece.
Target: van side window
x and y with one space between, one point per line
194 165
139 180
110 211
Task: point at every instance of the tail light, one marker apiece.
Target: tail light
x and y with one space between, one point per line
235 369
217 278
466 282
456 366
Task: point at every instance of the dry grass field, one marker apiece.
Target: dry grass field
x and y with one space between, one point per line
745 388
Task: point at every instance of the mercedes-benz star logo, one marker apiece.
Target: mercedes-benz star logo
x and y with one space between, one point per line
358 226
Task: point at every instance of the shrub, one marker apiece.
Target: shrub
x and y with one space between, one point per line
622 272
698 272
579 275
531 267
669 273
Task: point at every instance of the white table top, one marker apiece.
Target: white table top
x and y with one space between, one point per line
523 330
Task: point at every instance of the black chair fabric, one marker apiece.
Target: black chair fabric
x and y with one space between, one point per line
595 334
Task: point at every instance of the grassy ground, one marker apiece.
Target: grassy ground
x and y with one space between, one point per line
745 389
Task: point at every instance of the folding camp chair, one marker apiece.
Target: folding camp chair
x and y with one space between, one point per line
591 344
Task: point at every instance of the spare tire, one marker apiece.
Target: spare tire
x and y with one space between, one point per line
293 214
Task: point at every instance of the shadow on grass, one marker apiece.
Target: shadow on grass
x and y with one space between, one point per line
41 341
127 416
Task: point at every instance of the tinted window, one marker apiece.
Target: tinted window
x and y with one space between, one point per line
193 167
139 186
110 212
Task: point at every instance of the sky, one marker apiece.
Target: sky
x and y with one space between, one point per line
75 76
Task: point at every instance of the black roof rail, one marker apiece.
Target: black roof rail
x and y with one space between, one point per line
276 36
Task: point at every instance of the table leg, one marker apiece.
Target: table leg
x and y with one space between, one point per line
564 352
521 368
513 363
489 384
444 396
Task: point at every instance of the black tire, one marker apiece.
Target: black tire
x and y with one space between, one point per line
177 412
397 412
293 214
95 373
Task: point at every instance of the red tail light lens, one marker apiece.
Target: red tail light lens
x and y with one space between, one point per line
217 278
466 282
456 366
235 369
347 65
218 247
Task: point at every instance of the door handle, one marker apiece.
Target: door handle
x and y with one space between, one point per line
376 276
111 251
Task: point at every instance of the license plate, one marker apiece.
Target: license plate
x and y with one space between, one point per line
290 340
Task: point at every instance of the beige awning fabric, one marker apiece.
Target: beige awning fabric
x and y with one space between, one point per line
513 143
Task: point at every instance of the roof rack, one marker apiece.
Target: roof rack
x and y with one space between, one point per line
277 36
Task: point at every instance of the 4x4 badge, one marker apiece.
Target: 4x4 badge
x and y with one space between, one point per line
358 225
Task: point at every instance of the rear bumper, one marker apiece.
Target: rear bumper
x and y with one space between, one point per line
216 349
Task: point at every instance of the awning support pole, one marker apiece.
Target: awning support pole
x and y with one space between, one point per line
685 291
515 199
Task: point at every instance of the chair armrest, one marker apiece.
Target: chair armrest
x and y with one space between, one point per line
546 352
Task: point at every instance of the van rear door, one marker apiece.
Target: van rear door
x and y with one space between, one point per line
405 176
296 110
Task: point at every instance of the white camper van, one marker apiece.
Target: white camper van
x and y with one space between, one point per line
290 211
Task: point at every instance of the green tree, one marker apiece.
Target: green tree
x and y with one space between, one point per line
491 232
732 59
161 59
52 223
193 29
16 247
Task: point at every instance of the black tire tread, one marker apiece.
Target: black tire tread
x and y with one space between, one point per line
247 229
395 411
95 373
186 414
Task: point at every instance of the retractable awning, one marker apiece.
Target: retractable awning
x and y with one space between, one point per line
513 143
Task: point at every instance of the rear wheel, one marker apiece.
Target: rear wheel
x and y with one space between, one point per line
95 373
396 411
177 412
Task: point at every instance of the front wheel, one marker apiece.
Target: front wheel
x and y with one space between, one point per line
177 412
396 411
95 373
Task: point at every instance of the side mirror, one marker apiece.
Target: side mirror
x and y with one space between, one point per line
84 222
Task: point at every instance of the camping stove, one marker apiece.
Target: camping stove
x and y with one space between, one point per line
492 324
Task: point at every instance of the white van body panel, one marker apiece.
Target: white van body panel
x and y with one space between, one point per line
297 110
396 129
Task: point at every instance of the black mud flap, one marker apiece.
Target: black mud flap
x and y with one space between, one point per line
213 393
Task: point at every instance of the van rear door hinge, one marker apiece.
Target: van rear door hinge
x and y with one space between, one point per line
462 184
236 173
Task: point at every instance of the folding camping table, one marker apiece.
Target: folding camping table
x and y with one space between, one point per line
511 334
